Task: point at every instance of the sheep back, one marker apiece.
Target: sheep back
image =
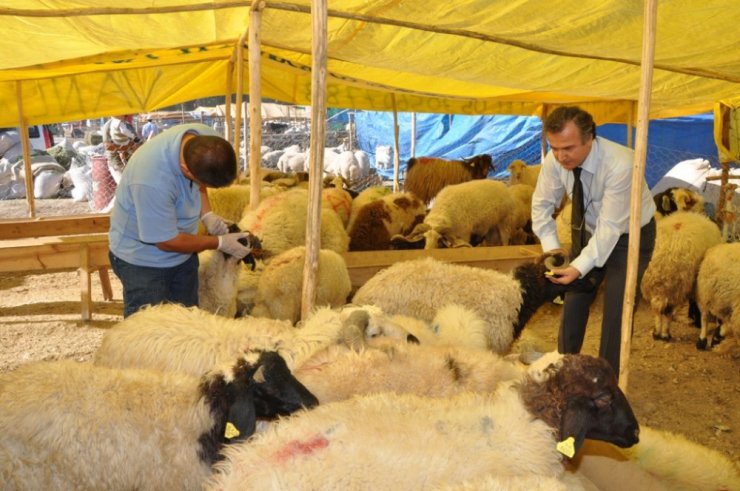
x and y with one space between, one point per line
427 176
481 207
280 285
417 288
69 425
718 290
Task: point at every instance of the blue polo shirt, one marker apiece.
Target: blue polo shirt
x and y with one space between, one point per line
155 201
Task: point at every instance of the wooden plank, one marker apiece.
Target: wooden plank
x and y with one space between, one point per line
45 227
37 254
362 265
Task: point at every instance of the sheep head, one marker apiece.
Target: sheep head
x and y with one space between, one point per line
578 396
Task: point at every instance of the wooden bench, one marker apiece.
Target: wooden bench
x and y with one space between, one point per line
50 244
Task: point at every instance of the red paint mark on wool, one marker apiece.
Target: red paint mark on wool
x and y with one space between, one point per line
297 447
337 203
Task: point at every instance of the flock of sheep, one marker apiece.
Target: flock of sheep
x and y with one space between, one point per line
413 381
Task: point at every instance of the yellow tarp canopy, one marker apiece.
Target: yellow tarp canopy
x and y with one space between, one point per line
68 60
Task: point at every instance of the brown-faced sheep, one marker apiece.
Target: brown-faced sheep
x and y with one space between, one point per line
426 176
377 221
678 199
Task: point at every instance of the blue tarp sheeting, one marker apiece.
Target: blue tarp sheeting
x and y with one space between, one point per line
507 138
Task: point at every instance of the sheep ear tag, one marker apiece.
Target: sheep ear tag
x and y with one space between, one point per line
231 432
567 447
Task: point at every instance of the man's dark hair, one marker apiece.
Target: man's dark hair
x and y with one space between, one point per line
211 159
557 119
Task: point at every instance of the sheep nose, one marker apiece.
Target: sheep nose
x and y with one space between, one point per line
412 339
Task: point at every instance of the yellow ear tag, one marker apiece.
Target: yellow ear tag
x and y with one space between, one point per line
566 447
231 431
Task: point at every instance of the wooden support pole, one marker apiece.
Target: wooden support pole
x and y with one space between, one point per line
227 101
638 177
255 103
630 124
543 136
316 156
26 148
396 148
85 283
239 52
413 135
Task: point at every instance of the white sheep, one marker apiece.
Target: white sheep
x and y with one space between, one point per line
363 161
480 209
339 200
669 281
71 425
231 202
280 286
384 157
280 223
521 173
337 373
419 287
175 338
271 158
379 220
346 165
391 441
218 282
718 292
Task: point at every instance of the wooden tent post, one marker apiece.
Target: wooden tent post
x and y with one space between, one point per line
255 103
26 148
227 101
239 53
413 135
543 136
396 150
630 124
638 177
319 13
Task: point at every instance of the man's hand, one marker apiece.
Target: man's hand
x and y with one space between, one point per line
215 224
229 243
564 276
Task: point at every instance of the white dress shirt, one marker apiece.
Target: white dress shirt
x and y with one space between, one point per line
607 184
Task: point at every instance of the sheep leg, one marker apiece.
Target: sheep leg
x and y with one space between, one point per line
663 315
706 318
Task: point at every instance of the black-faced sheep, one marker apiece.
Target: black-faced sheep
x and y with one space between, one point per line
418 288
175 338
678 199
71 425
718 291
521 173
377 221
426 176
280 286
390 441
682 239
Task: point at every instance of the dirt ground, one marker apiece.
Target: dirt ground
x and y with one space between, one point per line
672 386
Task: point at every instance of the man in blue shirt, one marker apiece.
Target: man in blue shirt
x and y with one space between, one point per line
604 169
161 198
150 130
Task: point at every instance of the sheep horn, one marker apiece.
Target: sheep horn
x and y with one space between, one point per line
555 260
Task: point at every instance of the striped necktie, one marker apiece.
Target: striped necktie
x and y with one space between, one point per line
578 215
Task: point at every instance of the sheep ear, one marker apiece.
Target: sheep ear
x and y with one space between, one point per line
573 427
241 421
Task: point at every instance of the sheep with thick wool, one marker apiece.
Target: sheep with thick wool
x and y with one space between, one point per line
231 202
521 173
377 221
681 241
718 292
462 214
522 222
70 425
280 286
418 288
392 441
176 338
280 223
427 176
364 197
677 199
387 365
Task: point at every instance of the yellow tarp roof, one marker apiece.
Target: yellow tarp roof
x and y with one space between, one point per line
93 58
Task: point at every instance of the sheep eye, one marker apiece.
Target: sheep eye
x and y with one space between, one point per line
603 400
